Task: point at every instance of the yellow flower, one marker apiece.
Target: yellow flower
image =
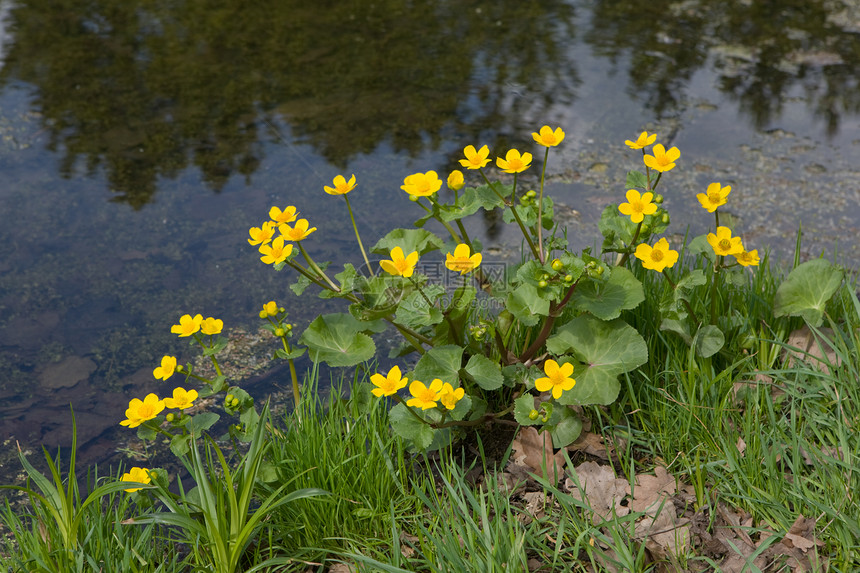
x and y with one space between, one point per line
270 308
662 160
449 397
167 368
460 261
748 258
424 397
262 234
277 252
514 162
715 197
557 378
400 265
136 474
475 159
279 217
341 186
644 140
456 180
139 412
547 137
212 326
638 206
422 184
658 257
724 244
297 232
187 325
388 385
181 399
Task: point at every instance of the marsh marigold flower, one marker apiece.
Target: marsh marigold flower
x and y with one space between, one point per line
547 137
399 264
462 261
425 397
167 368
422 184
748 258
658 257
715 197
211 326
557 378
278 217
724 244
390 384
456 180
187 325
644 140
297 232
475 159
662 160
136 474
341 185
449 397
181 400
270 308
277 252
139 411
637 205
262 234
514 162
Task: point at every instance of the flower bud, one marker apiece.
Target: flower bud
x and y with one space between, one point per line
413 198
544 277
279 332
264 314
228 398
545 419
531 194
170 417
557 265
646 228
234 402
180 368
665 218
658 199
533 415
568 278
542 284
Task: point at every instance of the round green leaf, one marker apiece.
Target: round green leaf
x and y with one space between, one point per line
607 299
806 291
338 340
486 373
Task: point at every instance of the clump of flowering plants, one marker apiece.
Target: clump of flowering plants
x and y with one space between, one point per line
530 343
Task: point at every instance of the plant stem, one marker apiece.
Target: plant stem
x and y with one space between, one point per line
540 209
319 271
355 228
510 204
623 258
554 311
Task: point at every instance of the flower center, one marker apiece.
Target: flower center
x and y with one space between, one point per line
145 411
656 255
725 244
638 206
714 197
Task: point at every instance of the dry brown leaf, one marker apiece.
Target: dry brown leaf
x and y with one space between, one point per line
591 444
742 446
651 491
812 352
601 489
801 534
665 534
341 568
534 450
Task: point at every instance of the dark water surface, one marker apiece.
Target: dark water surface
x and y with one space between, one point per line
140 140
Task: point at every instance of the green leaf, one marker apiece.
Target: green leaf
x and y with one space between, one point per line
709 340
604 350
806 291
203 421
180 444
567 430
679 327
523 406
413 311
409 240
145 433
298 287
617 229
296 353
338 340
408 427
607 299
442 362
526 304
461 408
485 372
636 179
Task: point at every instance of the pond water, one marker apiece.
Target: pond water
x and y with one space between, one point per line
141 140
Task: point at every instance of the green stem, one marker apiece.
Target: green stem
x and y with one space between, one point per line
510 204
357 236
430 304
316 268
686 303
540 209
293 376
717 264
445 224
623 258
554 311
